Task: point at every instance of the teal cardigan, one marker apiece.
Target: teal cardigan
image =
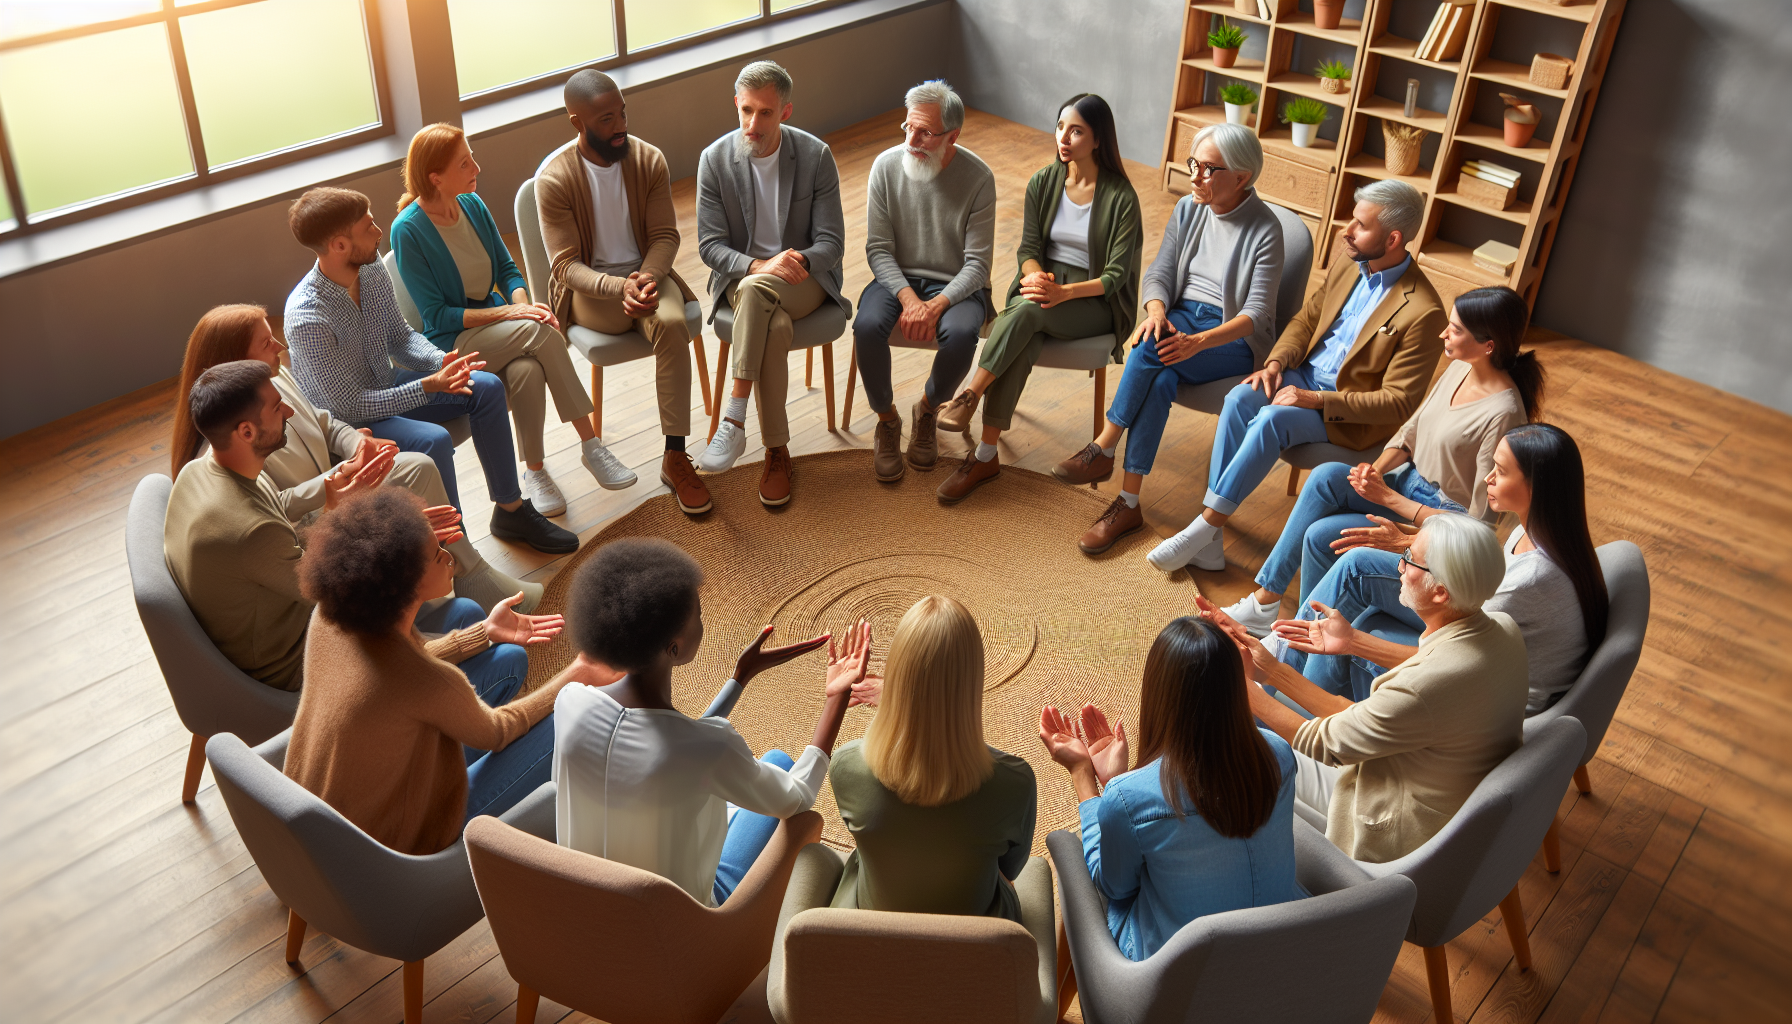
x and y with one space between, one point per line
429 273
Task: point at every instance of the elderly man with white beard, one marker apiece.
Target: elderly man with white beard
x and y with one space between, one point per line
930 212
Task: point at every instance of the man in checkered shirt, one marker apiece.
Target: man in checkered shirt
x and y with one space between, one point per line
354 355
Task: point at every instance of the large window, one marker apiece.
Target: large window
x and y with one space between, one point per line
106 99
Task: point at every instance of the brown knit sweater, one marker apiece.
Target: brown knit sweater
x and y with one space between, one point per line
380 726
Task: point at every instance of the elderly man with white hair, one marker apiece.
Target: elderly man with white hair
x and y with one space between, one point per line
930 229
1384 775
1210 305
1350 368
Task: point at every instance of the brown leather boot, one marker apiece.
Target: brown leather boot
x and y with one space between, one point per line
774 481
1088 466
886 450
677 473
923 443
1116 521
968 477
955 415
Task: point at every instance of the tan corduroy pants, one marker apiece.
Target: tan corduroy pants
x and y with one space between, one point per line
765 309
531 358
666 331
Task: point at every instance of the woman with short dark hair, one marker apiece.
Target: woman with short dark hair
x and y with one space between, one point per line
1205 824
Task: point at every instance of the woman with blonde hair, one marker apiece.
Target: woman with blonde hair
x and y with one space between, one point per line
943 822
471 298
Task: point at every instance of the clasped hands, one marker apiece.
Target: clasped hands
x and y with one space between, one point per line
787 266
1042 287
640 293
848 667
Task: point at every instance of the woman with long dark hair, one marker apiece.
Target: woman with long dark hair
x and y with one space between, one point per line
1437 462
1078 277
1554 588
1205 824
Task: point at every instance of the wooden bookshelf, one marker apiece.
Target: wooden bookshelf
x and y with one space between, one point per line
1318 181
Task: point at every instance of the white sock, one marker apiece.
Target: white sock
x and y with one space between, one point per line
985 451
1108 453
1131 499
736 409
1266 607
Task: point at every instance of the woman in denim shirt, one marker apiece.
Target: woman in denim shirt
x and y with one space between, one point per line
1205 824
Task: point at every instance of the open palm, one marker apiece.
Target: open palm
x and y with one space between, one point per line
1108 747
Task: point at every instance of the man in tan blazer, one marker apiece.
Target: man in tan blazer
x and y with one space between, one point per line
1385 775
1349 368
605 202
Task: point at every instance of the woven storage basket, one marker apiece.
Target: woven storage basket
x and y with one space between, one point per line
1402 144
1551 70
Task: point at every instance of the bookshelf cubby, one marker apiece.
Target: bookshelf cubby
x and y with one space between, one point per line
1459 108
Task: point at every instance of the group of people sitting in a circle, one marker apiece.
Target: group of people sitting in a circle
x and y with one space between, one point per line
315 524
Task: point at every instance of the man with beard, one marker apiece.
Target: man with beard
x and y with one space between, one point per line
771 230
345 333
1349 368
930 211
605 202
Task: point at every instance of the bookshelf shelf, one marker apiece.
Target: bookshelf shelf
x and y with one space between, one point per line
1583 12
1244 70
1349 30
1307 85
1373 167
1508 75
1479 134
1388 110
1517 213
1229 12
1399 48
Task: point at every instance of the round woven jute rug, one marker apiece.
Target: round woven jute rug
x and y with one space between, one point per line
1058 626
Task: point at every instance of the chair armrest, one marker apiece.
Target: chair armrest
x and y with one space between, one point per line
812 885
1321 867
273 750
535 813
1037 915
1100 966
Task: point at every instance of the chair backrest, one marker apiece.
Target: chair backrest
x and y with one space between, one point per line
405 306
210 694
535 249
1297 263
932 967
335 876
1594 697
1465 870
1234 966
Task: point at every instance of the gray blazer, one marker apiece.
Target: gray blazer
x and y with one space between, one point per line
1253 271
814 223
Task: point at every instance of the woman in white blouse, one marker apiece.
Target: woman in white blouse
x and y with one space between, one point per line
1435 462
639 782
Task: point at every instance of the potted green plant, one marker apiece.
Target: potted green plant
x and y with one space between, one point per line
1238 98
1225 40
1327 13
1304 115
1334 75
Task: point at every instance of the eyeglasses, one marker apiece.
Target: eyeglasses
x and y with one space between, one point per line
1406 560
924 134
1201 171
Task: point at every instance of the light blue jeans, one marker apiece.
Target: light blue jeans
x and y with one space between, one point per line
1328 506
1251 436
748 835
1147 388
1364 586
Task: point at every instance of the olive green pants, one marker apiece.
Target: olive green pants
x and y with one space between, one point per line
1018 336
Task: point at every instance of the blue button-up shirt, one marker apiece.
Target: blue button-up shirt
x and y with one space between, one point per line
1370 289
343 353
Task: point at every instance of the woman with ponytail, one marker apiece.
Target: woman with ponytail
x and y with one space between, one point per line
1436 462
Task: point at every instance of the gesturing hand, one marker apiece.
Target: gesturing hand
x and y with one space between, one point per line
348 479
1330 633
1269 379
506 626
868 690
848 662
1058 732
1368 482
456 374
758 657
444 522
1108 748
1257 659
1386 535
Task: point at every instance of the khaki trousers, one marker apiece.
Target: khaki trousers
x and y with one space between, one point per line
531 358
765 310
666 331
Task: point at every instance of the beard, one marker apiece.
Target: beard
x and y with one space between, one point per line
1364 255
611 150
270 442
1411 597
923 168
361 258
749 148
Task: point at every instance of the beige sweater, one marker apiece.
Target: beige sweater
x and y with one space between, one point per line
1421 742
1453 446
381 725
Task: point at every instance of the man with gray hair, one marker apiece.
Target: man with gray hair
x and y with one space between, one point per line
930 212
1349 368
1383 776
771 230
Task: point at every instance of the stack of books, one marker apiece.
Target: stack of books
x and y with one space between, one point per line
1487 170
1263 10
1496 256
1448 32
1488 184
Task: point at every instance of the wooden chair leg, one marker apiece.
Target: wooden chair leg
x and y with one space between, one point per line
1066 973
1552 848
852 373
715 412
527 999
808 369
413 992
597 400
1437 973
1583 781
703 376
1293 481
827 384
1101 397
1513 911
189 787
295 935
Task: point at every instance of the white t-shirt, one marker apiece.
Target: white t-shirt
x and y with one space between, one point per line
1068 242
767 232
609 209
1541 599
651 788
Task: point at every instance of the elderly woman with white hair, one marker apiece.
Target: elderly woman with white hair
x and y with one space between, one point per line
1210 301
1385 774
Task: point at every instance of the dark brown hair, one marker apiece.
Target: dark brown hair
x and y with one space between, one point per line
222 336
364 560
224 396
1195 715
1100 118
323 213
1557 523
1499 315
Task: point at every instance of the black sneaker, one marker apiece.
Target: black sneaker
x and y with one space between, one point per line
527 526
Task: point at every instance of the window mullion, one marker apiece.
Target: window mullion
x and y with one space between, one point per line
621 18
188 102
765 9
14 194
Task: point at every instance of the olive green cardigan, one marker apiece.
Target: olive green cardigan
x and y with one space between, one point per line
1114 228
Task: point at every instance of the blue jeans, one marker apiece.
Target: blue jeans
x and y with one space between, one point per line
1328 506
748 835
420 430
1148 388
496 781
1364 586
1251 436
956 333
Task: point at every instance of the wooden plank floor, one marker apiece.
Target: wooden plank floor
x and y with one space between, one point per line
1674 902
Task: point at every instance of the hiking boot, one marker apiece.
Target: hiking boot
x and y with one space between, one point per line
886 450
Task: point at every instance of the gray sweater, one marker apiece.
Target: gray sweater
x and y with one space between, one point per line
1541 599
942 230
1253 270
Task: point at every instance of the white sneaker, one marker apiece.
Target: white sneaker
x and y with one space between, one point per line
1255 618
543 492
1199 544
728 445
611 474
